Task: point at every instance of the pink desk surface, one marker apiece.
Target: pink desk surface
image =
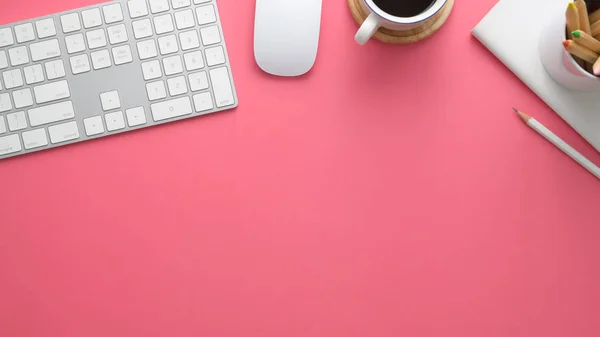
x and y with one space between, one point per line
381 195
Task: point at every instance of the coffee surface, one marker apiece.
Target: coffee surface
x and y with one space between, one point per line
404 8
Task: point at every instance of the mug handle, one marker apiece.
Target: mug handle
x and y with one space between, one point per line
368 29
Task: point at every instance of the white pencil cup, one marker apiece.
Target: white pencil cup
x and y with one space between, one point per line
558 62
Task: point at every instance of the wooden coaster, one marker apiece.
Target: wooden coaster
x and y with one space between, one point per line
426 29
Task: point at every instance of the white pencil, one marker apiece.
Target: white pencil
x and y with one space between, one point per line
554 139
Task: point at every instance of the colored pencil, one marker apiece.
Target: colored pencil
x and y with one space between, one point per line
596 68
580 51
584 19
561 144
586 40
596 29
572 18
595 16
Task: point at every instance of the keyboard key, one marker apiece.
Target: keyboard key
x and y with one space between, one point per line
203 102
51 92
3 60
44 50
80 64
70 23
110 100
101 59
63 132
198 81
96 38
112 13
55 69
193 60
147 49
136 116
177 86
206 15
163 24
16 121
156 90
117 34
2 125
168 45
185 19
173 108
51 113
189 40
34 74
9 144
12 78
5 103
34 139
75 43
180 3
91 18
45 28
24 33
210 35
221 84
22 98
151 70
159 6
122 55
215 56
93 126
18 56
114 121
197 2
6 37
142 28
172 65
137 8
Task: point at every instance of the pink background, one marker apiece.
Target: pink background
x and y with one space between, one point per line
380 195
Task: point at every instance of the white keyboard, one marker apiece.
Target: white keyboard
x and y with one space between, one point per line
110 68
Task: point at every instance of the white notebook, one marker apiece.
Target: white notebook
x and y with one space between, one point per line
502 32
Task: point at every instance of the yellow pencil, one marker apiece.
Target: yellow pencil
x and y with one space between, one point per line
584 19
572 18
595 16
580 51
586 40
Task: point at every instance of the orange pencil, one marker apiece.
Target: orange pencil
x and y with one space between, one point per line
580 51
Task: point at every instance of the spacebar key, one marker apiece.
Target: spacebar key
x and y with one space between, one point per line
169 109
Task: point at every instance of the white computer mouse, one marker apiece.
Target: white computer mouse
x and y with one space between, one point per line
286 35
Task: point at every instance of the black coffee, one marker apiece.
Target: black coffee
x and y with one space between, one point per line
403 8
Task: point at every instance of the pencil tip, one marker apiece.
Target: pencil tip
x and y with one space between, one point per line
523 116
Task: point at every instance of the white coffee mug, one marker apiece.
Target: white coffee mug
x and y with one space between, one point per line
377 18
556 60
